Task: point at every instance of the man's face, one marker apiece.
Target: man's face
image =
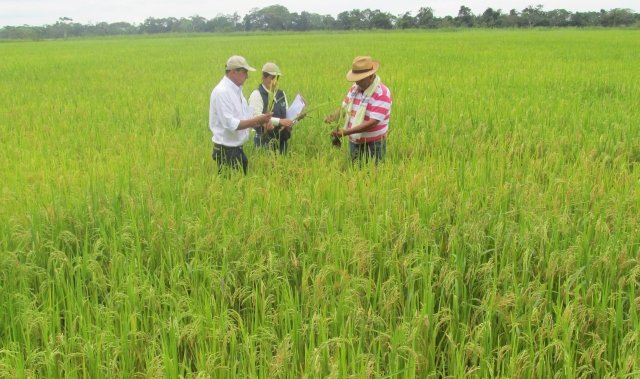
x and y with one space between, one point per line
238 76
270 82
364 83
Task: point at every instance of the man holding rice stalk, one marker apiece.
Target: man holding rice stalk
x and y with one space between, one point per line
269 98
230 116
367 108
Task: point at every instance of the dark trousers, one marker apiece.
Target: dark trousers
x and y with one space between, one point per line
230 156
368 151
282 145
273 139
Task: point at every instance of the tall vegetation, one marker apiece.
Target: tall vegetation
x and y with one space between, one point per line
499 239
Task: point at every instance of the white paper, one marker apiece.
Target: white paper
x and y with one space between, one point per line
295 108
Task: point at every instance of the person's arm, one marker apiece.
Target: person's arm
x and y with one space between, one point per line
363 127
262 119
276 121
283 122
335 115
223 106
377 110
255 102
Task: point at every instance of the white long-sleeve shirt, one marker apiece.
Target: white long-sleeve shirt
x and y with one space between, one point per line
226 108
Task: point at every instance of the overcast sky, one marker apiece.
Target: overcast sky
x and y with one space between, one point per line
43 12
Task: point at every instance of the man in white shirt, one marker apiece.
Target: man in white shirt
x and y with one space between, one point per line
230 116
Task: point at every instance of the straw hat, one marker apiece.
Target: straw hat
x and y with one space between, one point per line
236 62
362 67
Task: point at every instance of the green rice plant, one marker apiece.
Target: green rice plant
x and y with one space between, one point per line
498 239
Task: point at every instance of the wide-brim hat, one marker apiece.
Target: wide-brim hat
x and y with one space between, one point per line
235 62
361 67
271 69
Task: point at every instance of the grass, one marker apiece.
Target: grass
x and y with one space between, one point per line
499 238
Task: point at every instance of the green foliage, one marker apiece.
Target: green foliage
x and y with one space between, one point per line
278 18
500 238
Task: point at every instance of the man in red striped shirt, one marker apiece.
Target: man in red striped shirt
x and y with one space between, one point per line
367 108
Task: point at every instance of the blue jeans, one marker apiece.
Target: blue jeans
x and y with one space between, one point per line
368 151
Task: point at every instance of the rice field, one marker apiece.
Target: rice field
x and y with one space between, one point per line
499 239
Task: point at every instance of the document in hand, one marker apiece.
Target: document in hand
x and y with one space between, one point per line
295 108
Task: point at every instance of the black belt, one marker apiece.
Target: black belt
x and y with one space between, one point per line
226 147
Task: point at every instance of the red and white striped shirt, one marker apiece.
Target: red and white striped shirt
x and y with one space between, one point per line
378 108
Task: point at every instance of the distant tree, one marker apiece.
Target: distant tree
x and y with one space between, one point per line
198 23
274 17
101 29
22 32
584 19
221 23
250 20
65 25
490 18
329 22
447 22
354 19
558 17
310 21
116 28
277 17
343 21
318 22
406 21
512 19
301 22
425 19
618 17
182 25
533 16
465 17
122 28
158 25
359 18
380 20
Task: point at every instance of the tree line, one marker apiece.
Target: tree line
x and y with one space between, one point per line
278 18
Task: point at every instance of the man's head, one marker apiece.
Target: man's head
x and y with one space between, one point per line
363 70
270 75
237 69
364 83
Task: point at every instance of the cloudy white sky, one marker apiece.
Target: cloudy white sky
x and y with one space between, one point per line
43 12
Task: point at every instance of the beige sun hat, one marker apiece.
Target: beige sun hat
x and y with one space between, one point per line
271 69
236 62
361 67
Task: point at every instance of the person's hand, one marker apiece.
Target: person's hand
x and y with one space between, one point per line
285 122
263 118
337 133
333 116
268 126
328 119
